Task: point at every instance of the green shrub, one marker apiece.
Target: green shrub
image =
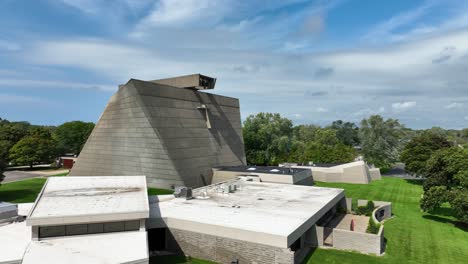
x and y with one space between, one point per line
372 227
384 170
369 207
365 210
341 210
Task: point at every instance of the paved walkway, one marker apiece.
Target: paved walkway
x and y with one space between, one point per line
18 175
343 222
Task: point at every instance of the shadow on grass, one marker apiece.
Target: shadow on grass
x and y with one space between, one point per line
18 196
444 220
168 260
415 181
307 258
443 211
177 259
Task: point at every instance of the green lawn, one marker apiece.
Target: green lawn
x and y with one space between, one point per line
26 191
412 236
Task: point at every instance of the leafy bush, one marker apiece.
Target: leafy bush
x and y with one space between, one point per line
372 227
365 210
341 210
384 170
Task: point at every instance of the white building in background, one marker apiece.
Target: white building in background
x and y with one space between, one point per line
353 172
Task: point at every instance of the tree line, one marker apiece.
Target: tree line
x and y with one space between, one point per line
271 139
24 144
437 155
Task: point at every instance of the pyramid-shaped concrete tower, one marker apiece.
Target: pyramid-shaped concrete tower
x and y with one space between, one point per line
167 130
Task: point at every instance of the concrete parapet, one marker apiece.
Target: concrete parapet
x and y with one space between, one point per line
382 211
362 242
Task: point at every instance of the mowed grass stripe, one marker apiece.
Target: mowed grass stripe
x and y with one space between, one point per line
412 236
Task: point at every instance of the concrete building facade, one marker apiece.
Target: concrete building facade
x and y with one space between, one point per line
167 130
254 222
270 174
353 172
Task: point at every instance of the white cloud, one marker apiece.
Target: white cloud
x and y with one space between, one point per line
385 30
9 45
14 99
100 7
454 105
255 57
321 109
55 84
402 106
87 6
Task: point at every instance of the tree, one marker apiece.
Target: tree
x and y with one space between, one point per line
346 132
380 140
71 136
10 133
2 168
447 181
302 134
37 147
267 138
420 148
464 133
327 148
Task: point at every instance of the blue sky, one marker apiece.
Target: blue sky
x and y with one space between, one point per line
311 61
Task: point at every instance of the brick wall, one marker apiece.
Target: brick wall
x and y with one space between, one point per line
224 250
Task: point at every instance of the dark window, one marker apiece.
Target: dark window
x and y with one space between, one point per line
83 229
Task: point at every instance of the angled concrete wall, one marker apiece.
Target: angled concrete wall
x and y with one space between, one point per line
174 136
354 172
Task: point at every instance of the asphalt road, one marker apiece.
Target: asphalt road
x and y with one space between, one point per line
11 176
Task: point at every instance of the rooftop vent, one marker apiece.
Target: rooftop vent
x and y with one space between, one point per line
183 192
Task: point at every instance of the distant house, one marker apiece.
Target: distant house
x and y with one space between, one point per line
67 162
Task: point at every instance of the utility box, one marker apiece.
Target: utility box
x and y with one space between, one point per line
8 210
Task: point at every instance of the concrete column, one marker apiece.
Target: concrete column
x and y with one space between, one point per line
35 233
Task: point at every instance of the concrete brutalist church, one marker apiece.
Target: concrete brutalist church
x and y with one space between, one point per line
168 130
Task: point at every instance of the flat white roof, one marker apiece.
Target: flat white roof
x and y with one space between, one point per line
269 213
86 199
14 238
121 247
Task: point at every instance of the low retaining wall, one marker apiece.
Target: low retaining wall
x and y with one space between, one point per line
382 211
362 242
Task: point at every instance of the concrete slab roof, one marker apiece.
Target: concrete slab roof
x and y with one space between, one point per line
262 169
122 247
14 238
85 199
268 213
